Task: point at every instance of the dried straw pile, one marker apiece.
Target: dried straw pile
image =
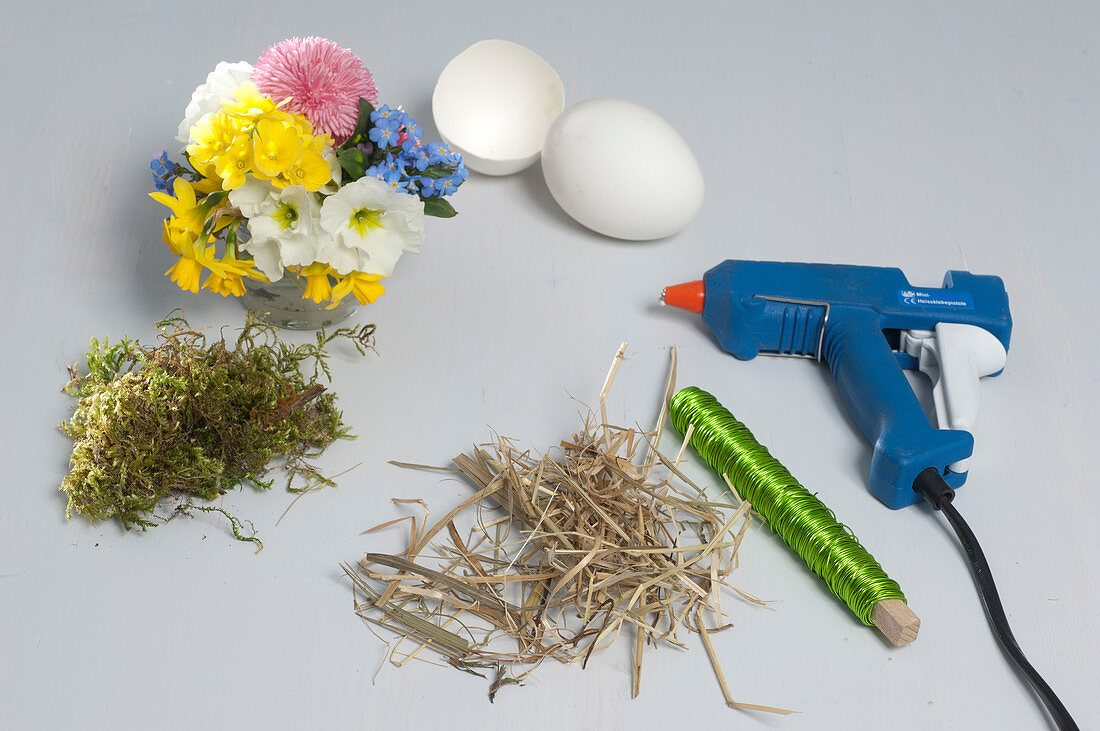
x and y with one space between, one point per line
565 553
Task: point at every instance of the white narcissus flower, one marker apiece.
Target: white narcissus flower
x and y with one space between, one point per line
285 233
207 98
371 224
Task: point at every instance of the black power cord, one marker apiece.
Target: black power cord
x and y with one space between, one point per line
930 484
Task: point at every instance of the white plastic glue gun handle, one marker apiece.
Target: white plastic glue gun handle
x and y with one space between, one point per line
965 353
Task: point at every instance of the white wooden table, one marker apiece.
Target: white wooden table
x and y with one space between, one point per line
958 135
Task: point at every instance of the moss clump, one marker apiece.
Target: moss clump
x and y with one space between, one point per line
193 420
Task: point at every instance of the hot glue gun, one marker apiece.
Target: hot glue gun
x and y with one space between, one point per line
869 324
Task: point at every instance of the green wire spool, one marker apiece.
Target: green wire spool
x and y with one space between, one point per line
804 523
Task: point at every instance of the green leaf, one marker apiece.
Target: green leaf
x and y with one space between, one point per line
362 125
191 171
439 208
354 162
365 110
377 155
437 171
231 240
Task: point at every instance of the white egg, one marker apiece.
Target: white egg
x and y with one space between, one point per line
494 103
621 170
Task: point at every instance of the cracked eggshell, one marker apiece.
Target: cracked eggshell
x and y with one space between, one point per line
621 170
494 102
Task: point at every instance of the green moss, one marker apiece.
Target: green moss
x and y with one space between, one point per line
192 420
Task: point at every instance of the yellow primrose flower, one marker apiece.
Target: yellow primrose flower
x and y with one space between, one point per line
310 170
249 105
318 287
214 135
366 288
302 124
275 146
233 164
210 181
318 143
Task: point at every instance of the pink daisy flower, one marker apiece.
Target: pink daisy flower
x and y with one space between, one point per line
322 80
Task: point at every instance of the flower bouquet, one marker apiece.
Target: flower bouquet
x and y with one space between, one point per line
292 178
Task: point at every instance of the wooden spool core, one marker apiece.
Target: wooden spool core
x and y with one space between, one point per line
896 621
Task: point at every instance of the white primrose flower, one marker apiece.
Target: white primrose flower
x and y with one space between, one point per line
207 98
285 233
371 224
337 172
253 196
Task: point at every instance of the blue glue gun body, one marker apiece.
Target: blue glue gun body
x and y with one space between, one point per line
868 324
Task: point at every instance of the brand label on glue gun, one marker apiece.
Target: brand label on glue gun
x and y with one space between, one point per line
936 298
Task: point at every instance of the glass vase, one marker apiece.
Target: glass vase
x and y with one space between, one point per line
282 304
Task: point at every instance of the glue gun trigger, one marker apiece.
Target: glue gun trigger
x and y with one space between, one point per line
955 357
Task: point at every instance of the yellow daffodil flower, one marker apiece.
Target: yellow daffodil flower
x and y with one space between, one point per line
242 268
230 284
318 287
186 273
192 213
192 258
177 238
189 214
226 273
366 288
